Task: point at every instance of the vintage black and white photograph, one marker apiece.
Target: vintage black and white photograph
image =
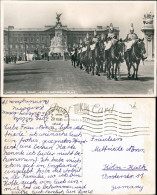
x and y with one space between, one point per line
78 48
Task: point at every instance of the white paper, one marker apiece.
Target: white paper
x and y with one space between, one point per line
78 146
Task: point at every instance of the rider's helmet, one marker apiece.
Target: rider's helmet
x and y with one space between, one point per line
102 36
132 28
95 33
111 29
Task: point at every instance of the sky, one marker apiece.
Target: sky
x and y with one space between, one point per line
37 14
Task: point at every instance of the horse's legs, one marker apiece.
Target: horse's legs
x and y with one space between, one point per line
137 65
134 70
108 69
80 65
105 68
112 69
98 67
115 72
128 67
92 66
118 67
88 66
101 66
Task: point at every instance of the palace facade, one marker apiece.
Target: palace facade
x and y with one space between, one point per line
19 41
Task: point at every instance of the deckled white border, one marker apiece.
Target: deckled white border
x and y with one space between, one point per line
76 95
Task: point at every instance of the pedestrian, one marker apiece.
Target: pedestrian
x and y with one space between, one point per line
15 59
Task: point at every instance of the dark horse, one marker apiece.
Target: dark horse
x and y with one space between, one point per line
96 57
114 57
74 57
134 56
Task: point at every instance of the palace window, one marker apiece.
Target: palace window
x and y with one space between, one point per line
21 39
32 39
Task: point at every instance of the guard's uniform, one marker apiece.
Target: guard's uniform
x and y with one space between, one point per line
94 41
111 38
131 39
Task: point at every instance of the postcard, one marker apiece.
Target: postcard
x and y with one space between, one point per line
78 48
78 146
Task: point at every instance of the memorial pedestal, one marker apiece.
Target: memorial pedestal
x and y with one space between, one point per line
59 41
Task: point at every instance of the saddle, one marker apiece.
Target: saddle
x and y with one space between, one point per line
110 43
92 47
129 44
84 49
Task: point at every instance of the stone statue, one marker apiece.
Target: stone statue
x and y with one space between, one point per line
58 17
148 18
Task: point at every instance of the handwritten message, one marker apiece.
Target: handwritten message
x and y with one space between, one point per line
56 147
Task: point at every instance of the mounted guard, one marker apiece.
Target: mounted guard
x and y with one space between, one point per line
111 38
131 39
134 52
74 55
79 52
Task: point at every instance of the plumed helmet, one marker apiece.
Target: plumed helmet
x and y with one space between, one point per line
102 36
95 33
87 36
131 28
111 28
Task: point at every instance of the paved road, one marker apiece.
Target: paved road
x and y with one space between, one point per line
57 77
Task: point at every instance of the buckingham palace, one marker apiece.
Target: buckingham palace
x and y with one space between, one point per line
22 41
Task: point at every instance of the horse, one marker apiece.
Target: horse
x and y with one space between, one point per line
92 58
74 57
134 56
96 56
84 59
113 58
116 57
79 57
